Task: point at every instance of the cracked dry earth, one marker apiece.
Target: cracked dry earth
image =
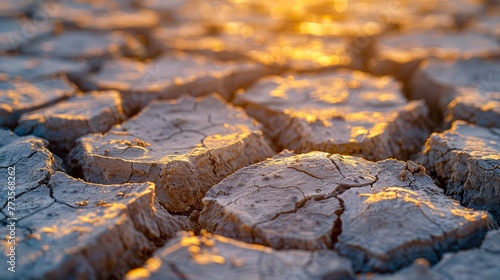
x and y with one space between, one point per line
223 139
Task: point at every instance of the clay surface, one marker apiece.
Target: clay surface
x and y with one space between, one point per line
170 76
476 106
466 159
15 33
218 257
338 112
80 115
184 146
480 263
19 97
69 228
129 121
381 215
15 8
302 52
95 47
36 68
465 89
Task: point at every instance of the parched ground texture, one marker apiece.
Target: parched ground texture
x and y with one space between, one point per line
224 139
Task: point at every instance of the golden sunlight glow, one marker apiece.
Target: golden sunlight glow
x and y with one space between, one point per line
469 215
393 193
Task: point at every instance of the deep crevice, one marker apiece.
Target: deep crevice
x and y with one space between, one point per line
337 226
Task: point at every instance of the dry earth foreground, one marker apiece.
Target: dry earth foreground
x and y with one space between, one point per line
238 139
